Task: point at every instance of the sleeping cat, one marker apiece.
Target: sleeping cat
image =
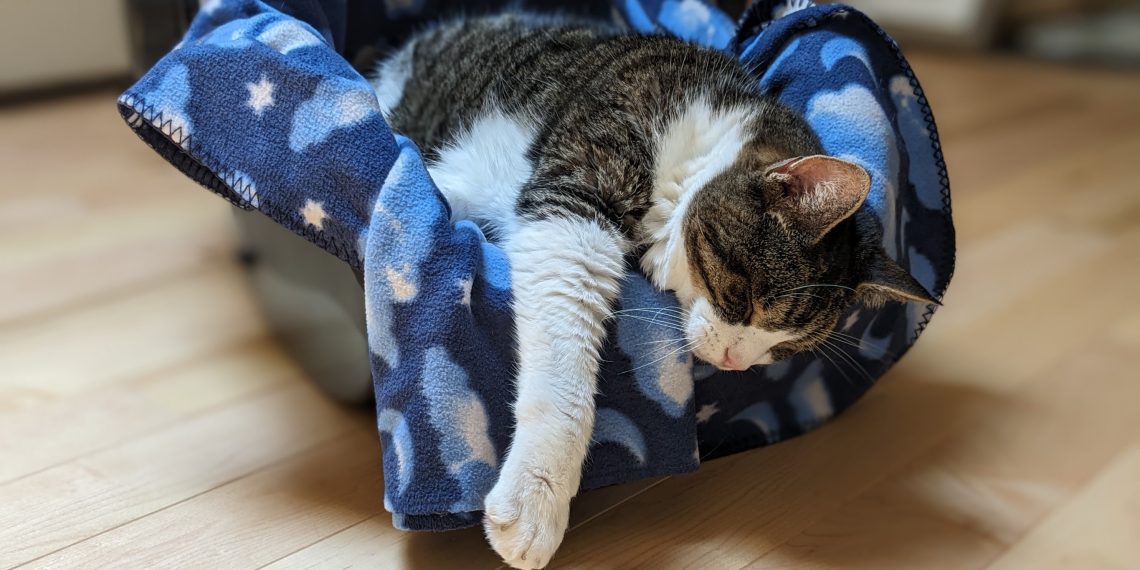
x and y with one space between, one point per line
573 145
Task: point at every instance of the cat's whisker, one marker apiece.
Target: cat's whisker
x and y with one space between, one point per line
660 342
797 295
856 342
685 345
674 310
659 308
824 335
854 362
652 316
836 335
838 363
673 328
837 356
690 346
663 311
813 285
672 325
827 357
664 315
837 332
850 360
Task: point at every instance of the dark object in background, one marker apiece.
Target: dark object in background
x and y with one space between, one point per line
1104 37
314 304
156 26
1097 32
734 8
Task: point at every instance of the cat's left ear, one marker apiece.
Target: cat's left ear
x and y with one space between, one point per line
815 193
886 280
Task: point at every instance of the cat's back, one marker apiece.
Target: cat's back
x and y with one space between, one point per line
494 101
447 76
473 94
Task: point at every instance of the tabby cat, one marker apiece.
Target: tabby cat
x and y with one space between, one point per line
573 145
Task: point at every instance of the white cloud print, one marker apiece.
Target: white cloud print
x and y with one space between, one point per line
337 103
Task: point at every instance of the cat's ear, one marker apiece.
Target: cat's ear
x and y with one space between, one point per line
886 280
814 193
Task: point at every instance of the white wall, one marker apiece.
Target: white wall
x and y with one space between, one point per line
961 22
49 42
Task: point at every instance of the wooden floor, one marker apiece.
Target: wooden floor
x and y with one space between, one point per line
147 420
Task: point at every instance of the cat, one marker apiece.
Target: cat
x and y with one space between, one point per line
574 144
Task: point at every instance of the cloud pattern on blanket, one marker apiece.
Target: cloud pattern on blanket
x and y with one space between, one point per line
258 106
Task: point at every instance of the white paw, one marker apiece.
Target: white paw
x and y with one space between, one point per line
525 517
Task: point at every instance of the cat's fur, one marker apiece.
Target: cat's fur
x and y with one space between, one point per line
574 145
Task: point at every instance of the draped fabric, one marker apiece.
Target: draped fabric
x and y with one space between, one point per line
261 105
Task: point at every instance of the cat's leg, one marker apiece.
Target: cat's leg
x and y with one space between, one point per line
565 275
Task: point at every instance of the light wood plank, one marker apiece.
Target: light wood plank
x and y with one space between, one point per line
1031 253
140 333
978 491
326 488
373 543
53 509
1070 192
87 210
111 250
43 436
1096 529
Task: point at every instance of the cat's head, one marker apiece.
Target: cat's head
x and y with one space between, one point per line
774 254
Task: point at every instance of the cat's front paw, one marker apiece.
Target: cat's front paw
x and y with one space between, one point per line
525 518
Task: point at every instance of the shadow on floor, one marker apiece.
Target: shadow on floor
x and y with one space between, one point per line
822 475
796 483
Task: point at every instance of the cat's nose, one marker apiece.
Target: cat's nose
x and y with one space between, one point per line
731 360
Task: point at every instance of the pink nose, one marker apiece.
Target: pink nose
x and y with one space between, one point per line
730 360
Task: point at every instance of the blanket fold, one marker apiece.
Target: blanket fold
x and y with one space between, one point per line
260 105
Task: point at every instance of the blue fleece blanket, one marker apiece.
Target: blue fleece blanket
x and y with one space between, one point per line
260 105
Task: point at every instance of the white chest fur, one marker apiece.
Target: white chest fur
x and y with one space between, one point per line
692 149
481 171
